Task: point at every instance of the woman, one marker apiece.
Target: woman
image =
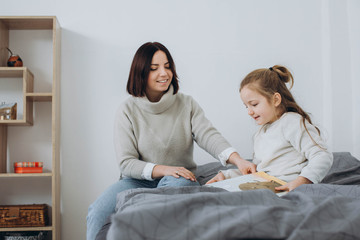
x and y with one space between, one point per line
154 134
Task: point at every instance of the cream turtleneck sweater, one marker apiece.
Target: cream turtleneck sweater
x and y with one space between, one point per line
163 133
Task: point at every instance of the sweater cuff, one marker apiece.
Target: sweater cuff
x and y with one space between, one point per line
224 155
147 171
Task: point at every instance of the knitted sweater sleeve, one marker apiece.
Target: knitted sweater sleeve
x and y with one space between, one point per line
125 145
205 134
319 159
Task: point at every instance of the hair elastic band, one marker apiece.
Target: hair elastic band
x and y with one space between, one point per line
271 69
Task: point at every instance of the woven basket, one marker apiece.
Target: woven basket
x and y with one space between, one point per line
34 215
24 236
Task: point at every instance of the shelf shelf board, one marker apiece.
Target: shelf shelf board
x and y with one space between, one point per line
39 97
12 72
26 229
28 22
25 175
15 122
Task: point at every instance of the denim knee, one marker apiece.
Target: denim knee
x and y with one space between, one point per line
104 206
170 181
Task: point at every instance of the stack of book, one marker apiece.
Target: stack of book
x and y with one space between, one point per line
28 167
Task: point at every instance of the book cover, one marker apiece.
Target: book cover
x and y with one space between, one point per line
28 169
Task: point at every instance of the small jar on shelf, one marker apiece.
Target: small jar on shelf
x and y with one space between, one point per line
8 111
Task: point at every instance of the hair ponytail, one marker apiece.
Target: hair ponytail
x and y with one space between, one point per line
284 74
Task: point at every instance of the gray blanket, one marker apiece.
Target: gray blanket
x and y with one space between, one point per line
320 211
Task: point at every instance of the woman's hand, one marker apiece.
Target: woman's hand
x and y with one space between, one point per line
219 177
162 170
243 165
294 184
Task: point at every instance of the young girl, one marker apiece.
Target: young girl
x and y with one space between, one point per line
287 145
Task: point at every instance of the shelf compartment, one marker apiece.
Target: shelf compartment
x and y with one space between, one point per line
9 23
28 88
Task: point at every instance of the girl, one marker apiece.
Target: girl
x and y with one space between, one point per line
287 145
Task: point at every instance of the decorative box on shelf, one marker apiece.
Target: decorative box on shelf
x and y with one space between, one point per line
25 236
28 167
30 215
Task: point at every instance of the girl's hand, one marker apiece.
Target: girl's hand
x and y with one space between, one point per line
243 165
162 170
219 177
294 184
246 167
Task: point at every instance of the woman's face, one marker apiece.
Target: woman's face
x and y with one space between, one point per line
160 77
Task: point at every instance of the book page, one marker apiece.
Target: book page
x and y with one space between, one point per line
232 184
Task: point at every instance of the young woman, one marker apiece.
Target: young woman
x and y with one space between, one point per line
287 145
154 134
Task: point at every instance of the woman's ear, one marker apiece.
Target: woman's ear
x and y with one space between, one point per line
277 99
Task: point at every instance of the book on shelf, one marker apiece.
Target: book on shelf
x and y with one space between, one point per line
28 167
258 180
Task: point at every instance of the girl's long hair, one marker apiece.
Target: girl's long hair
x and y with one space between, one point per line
268 81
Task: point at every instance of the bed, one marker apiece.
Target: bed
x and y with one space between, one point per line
329 210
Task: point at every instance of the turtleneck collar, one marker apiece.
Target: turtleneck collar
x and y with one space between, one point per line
157 107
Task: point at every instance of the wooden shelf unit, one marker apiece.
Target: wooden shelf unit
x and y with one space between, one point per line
7 24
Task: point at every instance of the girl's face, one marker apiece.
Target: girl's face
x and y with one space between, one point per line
160 77
259 108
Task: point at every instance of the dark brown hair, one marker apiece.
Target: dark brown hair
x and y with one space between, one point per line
140 68
268 81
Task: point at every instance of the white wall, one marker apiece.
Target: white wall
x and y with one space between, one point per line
214 43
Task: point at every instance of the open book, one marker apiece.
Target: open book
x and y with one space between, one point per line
258 180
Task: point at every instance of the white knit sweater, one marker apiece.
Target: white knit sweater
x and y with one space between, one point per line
285 150
162 133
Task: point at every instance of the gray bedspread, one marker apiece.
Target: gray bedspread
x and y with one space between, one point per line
330 210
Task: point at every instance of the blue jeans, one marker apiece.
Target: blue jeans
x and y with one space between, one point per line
104 205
